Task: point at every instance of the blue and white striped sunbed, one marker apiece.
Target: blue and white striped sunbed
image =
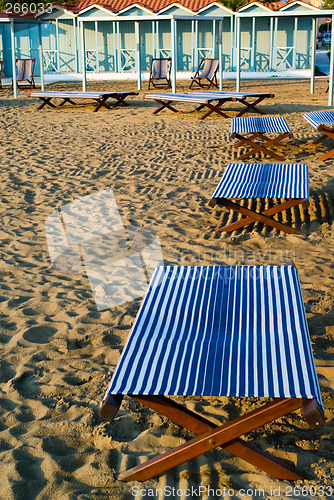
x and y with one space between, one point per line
205 99
322 121
318 118
259 127
263 125
220 331
264 181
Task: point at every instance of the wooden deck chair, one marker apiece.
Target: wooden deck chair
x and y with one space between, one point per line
247 181
209 73
216 331
160 70
25 72
323 122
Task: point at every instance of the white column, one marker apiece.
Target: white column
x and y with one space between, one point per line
294 52
115 45
75 45
238 54
220 46
138 54
313 48
83 57
40 47
213 38
173 31
271 44
157 38
253 44
57 46
192 45
97 66
153 41
275 42
12 36
196 44
118 41
331 71
232 43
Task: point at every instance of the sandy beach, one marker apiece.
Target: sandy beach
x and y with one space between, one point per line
59 351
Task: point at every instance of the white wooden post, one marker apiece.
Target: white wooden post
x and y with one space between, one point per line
115 45
196 44
253 44
275 43
313 48
220 45
271 44
75 45
40 48
57 46
138 54
232 43
294 52
12 35
192 45
97 65
158 38
83 57
238 54
173 30
154 55
118 41
213 38
331 71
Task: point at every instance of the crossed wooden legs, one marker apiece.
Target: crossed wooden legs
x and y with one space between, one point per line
100 102
326 132
256 147
211 436
212 108
251 106
264 216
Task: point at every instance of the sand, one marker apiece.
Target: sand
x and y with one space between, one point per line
58 351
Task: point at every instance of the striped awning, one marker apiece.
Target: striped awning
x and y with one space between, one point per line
264 181
262 124
220 331
320 118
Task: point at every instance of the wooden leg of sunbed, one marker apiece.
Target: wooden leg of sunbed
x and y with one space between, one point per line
238 447
164 105
261 147
214 109
319 140
211 440
251 107
264 216
46 101
101 102
110 406
65 100
327 155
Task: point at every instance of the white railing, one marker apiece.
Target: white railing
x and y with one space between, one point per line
50 64
246 57
91 60
282 54
164 53
128 60
203 53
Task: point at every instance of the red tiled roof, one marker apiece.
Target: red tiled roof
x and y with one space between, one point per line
6 15
152 5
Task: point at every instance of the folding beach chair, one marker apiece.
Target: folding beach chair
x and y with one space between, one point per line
25 72
323 122
258 128
160 70
247 181
219 331
209 73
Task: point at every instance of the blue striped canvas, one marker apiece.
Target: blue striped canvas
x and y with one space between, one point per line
264 181
320 118
260 124
220 331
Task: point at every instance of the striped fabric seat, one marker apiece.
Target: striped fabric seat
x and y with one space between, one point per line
264 181
199 99
209 69
260 124
220 331
75 94
160 68
320 118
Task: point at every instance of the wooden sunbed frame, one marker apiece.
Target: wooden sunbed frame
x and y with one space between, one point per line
99 97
